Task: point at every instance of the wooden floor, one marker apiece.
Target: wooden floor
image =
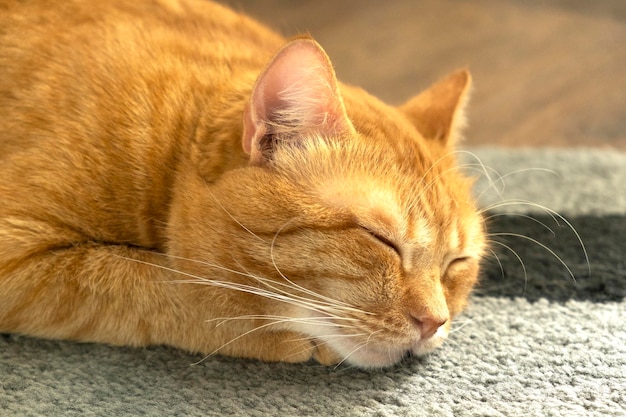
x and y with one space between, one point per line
546 73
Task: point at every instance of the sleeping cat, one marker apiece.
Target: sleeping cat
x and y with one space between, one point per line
172 172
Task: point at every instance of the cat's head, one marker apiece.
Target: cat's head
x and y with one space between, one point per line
351 212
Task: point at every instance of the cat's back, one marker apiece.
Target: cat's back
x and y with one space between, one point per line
100 100
185 25
71 59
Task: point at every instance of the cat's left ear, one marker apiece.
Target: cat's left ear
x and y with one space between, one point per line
297 94
438 113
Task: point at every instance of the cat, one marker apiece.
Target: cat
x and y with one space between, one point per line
173 172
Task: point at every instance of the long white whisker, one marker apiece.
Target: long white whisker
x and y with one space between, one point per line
535 241
318 321
516 202
320 299
510 174
460 326
288 299
485 170
320 340
556 217
497 260
328 306
518 258
233 340
480 164
434 180
323 339
357 348
525 216
422 179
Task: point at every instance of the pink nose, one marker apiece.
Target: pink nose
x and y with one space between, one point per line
428 325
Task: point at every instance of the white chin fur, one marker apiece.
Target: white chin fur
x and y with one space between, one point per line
380 357
431 344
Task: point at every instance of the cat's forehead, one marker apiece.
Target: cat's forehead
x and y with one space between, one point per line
416 196
384 175
390 180
368 197
377 191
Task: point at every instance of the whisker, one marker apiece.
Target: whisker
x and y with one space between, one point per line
319 340
357 348
318 321
460 326
422 179
265 281
556 217
516 202
324 339
535 241
495 255
433 181
233 340
525 216
485 170
288 299
306 342
322 300
510 174
518 258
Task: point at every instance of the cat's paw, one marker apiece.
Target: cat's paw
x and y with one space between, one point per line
294 347
325 355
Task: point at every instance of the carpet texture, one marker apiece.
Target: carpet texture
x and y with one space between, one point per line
534 342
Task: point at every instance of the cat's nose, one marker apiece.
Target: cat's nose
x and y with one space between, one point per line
427 324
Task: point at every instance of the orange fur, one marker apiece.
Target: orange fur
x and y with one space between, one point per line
163 180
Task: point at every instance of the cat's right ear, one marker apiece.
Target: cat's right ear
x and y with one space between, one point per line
295 96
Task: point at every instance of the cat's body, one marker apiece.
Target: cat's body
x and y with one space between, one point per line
163 180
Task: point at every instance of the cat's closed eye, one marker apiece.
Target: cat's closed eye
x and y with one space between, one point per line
458 262
457 266
383 240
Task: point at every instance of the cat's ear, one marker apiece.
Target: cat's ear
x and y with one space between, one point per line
296 95
438 113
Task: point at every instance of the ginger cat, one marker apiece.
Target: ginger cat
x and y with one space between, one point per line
172 172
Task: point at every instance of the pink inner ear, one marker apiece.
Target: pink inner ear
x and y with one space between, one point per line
301 78
296 94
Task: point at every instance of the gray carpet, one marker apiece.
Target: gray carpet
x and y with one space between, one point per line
534 342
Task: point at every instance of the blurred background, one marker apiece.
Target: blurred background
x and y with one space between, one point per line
546 73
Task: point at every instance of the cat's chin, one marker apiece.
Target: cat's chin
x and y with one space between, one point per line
385 356
370 358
